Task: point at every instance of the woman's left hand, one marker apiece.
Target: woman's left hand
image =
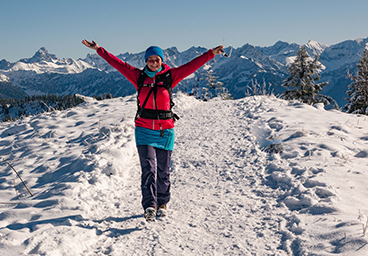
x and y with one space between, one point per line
93 45
218 50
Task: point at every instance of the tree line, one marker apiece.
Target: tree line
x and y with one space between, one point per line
12 109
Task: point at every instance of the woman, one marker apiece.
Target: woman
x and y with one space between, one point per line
154 123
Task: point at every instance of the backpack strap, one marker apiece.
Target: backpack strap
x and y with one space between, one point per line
140 83
162 80
167 83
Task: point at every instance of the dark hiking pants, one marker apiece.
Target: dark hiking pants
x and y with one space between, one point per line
155 185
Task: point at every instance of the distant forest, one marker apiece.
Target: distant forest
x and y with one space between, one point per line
12 109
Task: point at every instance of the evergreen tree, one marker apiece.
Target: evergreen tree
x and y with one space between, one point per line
224 93
303 78
358 90
211 80
214 87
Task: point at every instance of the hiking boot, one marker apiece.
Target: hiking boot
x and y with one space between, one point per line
150 214
161 210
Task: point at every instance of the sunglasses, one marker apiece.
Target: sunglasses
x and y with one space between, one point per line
154 60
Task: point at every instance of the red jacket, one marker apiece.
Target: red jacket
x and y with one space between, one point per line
163 98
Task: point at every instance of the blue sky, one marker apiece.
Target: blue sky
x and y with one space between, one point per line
132 26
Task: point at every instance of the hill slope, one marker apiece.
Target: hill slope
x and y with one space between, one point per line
10 90
228 196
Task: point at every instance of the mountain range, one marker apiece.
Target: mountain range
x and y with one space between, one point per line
44 73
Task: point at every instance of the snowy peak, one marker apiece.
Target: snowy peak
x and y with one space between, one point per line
344 49
94 60
284 48
279 48
41 62
343 53
250 52
315 48
284 52
41 55
280 51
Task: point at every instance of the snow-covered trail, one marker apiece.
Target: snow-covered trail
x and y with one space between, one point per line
228 196
216 208
217 175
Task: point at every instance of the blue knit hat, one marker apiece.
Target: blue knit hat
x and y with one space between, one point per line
154 50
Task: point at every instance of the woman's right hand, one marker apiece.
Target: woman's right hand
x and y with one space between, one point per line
93 45
218 50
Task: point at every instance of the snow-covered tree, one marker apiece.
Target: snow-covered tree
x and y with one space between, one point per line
214 87
358 90
224 93
303 77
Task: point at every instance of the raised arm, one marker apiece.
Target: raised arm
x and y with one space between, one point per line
130 72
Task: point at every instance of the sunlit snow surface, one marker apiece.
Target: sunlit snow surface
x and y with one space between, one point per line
229 197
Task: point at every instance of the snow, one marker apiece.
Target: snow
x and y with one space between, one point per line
4 78
290 60
63 66
229 196
316 47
